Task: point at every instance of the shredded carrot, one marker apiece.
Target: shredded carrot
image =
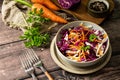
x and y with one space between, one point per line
96 40
83 36
84 54
87 33
105 35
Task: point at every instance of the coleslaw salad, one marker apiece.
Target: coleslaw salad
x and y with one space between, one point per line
81 43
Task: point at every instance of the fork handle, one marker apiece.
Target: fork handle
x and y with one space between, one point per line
33 76
48 75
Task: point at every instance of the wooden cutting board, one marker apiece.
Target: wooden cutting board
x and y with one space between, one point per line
81 11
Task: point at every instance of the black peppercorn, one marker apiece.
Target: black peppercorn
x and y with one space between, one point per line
98 6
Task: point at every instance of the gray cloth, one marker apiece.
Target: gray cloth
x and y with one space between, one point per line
13 14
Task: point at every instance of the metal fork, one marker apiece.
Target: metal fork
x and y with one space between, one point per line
27 65
35 60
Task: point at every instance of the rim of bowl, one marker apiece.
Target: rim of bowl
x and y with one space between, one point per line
107 47
104 1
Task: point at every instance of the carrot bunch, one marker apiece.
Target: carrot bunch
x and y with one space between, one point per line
46 6
47 3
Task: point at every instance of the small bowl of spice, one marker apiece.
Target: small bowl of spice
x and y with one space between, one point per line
98 8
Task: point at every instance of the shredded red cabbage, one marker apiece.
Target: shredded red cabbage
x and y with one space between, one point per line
66 4
67 43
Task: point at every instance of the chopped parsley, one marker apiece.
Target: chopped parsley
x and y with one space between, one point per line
92 37
85 48
32 35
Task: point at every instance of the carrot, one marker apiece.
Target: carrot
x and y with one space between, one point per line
83 35
47 3
48 14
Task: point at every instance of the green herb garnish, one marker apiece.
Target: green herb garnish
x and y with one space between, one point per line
85 48
34 38
92 37
36 18
32 35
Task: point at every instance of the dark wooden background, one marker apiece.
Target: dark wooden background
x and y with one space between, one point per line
11 46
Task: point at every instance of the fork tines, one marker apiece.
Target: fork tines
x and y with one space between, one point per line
33 56
25 62
27 65
33 60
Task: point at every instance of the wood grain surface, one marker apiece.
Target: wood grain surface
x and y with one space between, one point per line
81 11
11 47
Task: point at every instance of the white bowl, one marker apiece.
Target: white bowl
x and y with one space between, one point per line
75 63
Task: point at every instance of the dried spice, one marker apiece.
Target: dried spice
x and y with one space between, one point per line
98 6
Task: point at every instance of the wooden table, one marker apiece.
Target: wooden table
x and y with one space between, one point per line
11 46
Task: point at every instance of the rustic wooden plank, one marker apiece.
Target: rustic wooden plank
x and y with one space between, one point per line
11 69
81 11
114 33
110 72
111 25
0 5
10 64
8 34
